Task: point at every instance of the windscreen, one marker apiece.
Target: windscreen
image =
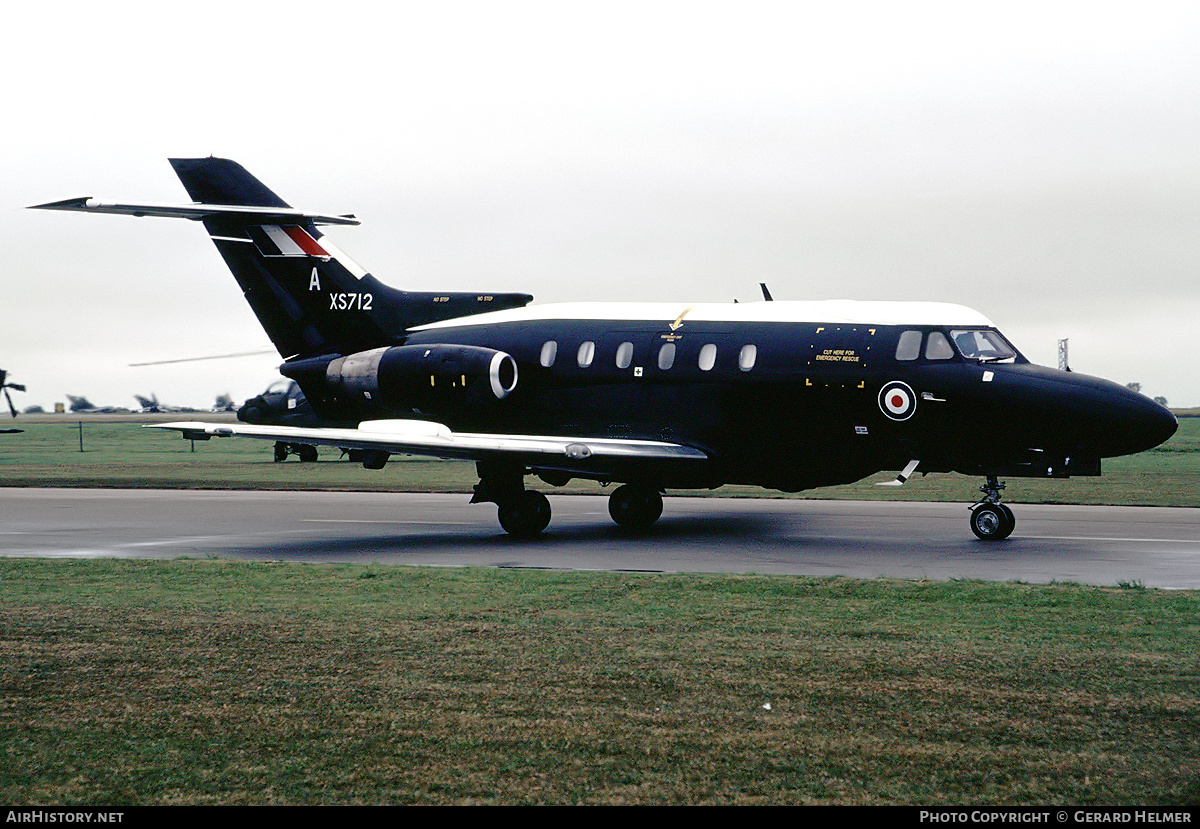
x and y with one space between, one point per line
982 344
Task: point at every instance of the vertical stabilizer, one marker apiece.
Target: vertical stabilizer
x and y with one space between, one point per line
311 298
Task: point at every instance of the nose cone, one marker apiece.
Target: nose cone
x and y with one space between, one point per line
1073 413
1111 420
1134 423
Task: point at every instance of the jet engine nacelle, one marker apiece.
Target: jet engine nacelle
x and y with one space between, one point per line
412 375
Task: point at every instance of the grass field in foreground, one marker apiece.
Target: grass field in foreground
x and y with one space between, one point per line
123 454
211 682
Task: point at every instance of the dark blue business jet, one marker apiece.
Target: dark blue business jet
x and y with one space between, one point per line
783 395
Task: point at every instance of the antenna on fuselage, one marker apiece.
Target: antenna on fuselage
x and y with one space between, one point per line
766 293
1062 355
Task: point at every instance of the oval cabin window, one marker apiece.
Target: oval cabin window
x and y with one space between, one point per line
587 352
624 355
747 356
666 356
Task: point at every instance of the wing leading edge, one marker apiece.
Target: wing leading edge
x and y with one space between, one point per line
419 437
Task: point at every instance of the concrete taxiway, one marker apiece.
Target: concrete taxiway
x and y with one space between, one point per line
1158 547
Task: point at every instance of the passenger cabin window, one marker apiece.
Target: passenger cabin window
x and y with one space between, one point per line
587 352
937 347
666 356
747 356
909 346
624 355
708 357
549 352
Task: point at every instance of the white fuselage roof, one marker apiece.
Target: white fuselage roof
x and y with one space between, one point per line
833 311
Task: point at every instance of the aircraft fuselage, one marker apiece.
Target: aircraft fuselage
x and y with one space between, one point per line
774 400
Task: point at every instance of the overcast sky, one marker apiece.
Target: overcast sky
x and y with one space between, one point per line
1039 162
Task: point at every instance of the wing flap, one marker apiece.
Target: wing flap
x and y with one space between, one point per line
419 437
250 215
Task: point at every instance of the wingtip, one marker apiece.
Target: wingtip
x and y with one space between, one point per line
79 203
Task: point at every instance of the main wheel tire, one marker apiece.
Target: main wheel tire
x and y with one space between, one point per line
281 452
992 522
635 508
526 515
1012 519
308 454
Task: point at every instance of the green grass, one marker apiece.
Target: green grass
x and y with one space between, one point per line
212 682
123 454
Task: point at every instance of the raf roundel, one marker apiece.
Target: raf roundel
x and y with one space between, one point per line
897 400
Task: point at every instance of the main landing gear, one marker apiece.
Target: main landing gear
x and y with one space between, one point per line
307 453
635 507
990 519
524 513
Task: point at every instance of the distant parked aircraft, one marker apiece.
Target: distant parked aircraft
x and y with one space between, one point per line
81 405
150 405
284 404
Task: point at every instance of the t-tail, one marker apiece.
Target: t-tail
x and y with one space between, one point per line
311 298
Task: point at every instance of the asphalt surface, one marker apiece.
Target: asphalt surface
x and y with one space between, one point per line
1156 546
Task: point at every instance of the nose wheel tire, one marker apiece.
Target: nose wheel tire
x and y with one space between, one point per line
992 522
525 515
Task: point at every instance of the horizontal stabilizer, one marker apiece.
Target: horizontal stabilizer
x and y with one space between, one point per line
419 437
196 212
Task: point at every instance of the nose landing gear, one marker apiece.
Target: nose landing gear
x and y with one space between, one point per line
990 519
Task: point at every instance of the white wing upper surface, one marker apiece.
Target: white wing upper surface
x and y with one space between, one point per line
419 437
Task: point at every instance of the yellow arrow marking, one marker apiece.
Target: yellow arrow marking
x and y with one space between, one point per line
679 319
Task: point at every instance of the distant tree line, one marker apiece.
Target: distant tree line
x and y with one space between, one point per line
1137 387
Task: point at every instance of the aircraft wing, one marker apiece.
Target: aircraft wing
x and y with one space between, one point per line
255 215
420 437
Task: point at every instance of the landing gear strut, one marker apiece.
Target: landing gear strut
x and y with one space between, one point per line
990 519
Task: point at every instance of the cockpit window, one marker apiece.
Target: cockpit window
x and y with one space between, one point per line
937 347
909 346
983 345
